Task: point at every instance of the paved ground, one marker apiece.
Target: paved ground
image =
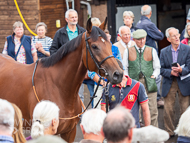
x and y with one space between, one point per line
160 118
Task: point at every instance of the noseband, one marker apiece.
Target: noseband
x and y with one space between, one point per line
98 64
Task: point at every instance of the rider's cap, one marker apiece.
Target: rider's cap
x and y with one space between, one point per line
138 34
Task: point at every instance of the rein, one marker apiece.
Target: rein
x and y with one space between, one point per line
98 64
34 89
85 108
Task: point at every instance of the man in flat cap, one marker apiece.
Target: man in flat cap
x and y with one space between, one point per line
141 63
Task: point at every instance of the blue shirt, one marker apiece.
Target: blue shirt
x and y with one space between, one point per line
72 34
175 54
6 139
116 53
117 95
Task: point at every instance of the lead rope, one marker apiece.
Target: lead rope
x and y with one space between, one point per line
85 108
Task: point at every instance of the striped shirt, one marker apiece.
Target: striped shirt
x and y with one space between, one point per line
6 139
46 44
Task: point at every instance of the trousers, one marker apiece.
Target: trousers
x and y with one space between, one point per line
169 103
152 103
98 94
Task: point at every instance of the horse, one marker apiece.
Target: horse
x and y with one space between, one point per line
58 78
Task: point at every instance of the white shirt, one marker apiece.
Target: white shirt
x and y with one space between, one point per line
124 44
156 61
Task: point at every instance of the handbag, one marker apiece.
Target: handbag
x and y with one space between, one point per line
151 84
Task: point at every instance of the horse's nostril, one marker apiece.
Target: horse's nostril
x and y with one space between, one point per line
116 75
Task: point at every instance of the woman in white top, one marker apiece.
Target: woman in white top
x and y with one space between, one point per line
41 41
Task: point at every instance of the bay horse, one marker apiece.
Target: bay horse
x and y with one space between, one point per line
59 77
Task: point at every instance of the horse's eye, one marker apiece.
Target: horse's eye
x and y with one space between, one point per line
94 47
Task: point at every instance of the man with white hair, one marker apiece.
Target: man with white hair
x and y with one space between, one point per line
125 42
118 125
175 69
153 33
67 33
6 121
91 126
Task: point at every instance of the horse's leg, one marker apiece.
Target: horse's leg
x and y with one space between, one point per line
70 136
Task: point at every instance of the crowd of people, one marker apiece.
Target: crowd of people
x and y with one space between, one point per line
140 90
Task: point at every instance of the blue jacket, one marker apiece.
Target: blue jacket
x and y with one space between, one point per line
26 44
153 33
166 60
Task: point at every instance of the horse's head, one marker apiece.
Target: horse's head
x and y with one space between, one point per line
99 54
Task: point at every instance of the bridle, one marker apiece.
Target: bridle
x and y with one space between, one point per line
98 64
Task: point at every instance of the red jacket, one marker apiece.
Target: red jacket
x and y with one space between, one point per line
185 41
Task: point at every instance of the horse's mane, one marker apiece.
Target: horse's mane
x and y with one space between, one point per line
71 46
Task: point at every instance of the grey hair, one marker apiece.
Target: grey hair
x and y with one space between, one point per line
92 121
147 11
120 29
68 11
183 128
44 112
186 35
6 116
117 124
128 13
41 24
95 21
17 24
167 31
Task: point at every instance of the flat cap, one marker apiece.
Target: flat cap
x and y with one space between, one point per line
140 33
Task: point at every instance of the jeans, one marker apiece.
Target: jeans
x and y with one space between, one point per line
90 85
81 90
158 83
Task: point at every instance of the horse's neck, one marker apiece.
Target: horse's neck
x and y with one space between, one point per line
70 71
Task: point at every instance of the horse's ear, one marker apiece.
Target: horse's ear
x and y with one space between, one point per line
103 25
89 25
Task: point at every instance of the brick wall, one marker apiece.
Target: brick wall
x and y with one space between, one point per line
9 15
99 11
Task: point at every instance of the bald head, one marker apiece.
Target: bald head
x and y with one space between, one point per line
125 34
117 124
124 29
146 10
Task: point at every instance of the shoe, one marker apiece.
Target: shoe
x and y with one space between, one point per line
141 124
171 136
160 103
